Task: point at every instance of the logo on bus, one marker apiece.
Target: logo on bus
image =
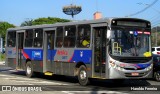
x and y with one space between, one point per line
62 52
9 52
36 54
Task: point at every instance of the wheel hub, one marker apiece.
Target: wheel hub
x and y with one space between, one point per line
157 76
29 70
83 75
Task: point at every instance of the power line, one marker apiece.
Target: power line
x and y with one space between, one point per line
155 1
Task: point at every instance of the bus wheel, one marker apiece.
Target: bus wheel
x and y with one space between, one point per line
157 76
29 69
83 76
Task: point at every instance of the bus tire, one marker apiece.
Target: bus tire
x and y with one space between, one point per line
83 76
157 76
29 69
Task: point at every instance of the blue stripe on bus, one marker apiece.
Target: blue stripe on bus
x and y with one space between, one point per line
82 56
51 54
142 66
34 54
78 55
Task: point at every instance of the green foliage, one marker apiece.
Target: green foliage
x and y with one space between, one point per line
27 23
49 20
3 57
155 36
3 28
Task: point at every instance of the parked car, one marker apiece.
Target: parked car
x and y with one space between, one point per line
3 50
156 50
156 67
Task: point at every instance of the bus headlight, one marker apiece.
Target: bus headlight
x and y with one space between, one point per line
119 68
149 68
115 66
112 63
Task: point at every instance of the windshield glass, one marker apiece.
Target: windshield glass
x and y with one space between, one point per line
130 42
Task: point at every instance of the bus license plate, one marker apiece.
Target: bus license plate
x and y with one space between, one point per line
134 74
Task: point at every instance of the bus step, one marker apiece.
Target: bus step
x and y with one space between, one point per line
19 69
48 73
97 77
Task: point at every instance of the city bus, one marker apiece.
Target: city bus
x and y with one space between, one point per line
109 48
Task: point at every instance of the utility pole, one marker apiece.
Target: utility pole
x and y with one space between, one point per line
0 48
156 34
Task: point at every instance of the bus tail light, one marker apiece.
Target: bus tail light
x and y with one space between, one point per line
158 52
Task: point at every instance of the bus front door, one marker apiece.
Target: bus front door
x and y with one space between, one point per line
49 50
99 52
19 49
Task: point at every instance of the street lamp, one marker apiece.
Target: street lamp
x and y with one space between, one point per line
72 10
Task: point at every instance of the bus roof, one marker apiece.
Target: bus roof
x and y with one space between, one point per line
103 20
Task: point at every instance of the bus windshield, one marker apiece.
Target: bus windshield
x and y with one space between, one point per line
130 42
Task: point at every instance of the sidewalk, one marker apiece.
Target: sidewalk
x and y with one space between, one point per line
2 62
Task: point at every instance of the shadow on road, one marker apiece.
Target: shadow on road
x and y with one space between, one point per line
117 86
4 69
94 82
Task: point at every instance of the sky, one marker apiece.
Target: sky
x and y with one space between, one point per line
18 11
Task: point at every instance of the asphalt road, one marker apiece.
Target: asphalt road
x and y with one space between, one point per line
69 85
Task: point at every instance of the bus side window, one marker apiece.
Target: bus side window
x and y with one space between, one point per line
11 39
59 37
29 38
83 38
38 38
70 36
59 42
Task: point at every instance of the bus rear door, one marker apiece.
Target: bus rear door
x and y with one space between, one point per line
19 49
49 50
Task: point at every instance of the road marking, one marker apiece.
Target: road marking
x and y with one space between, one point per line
30 84
7 75
67 92
13 70
29 80
94 92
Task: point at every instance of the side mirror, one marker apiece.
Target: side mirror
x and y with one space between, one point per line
108 34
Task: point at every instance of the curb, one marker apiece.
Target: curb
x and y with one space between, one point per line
2 62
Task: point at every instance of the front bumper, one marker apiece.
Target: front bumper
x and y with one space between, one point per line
127 74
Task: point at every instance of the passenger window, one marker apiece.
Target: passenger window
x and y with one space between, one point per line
38 37
59 37
158 49
11 39
29 38
83 38
70 36
153 49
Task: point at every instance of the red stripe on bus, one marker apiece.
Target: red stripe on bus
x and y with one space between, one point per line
25 55
71 58
14 61
41 64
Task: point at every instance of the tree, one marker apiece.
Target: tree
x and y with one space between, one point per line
49 20
27 23
3 28
155 36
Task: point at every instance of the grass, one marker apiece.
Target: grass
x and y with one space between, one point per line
2 57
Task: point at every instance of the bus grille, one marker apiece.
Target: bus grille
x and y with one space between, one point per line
134 60
134 68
